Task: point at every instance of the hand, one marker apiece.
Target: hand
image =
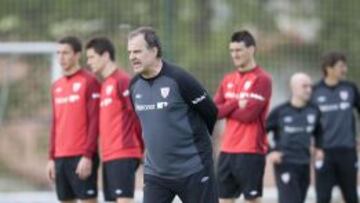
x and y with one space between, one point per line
319 158
319 155
242 103
50 170
83 169
275 157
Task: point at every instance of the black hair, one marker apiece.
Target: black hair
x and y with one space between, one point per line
74 43
243 36
102 45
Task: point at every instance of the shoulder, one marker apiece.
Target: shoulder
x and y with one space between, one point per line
86 73
318 85
89 77
175 71
277 109
263 75
121 73
57 82
349 84
262 72
121 76
134 80
230 75
181 76
317 90
313 106
57 85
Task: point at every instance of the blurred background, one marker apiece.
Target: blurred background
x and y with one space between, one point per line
291 36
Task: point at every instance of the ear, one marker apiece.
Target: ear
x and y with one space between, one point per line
155 50
328 69
252 50
106 55
78 55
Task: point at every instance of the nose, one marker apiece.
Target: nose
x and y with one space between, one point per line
236 56
131 56
61 57
310 90
233 54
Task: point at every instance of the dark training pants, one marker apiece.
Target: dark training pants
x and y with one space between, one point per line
197 188
292 182
339 168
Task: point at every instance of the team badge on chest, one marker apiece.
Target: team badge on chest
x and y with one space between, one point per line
165 92
109 89
76 86
247 85
311 118
344 95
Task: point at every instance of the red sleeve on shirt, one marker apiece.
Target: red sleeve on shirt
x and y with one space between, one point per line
124 93
255 106
225 107
52 131
92 105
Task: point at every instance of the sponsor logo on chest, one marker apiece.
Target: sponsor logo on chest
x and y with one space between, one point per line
344 95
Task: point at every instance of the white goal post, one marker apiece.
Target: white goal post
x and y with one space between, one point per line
26 48
35 48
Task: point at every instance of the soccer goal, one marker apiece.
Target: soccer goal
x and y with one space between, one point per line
33 48
11 50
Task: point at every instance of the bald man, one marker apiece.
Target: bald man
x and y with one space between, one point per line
294 124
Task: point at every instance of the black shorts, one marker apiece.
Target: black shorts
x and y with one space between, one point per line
196 188
292 182
119 178
240 174
68 184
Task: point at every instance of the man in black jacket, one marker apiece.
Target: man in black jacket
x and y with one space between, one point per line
177 117
294 124
337 99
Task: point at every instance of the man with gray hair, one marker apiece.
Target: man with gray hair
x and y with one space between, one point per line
177 117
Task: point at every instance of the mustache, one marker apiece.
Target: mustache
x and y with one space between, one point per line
135 61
